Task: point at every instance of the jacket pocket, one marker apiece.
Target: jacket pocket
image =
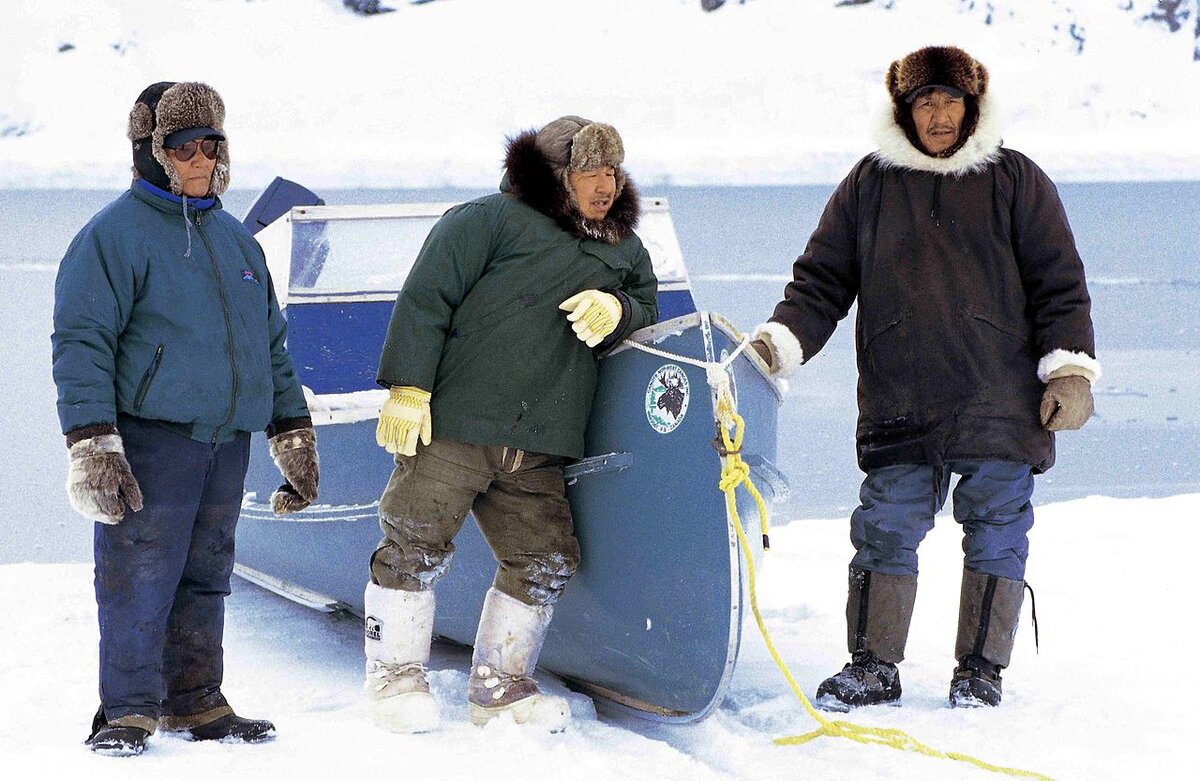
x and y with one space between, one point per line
612 255
148 378
515 304
890 369
875 330
999 324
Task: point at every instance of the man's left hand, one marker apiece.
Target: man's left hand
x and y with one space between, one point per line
594 315
1066 403
295 453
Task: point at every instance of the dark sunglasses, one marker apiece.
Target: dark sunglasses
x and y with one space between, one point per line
208 146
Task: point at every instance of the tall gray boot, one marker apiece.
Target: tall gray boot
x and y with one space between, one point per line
989 608
506 652
878 613
399 629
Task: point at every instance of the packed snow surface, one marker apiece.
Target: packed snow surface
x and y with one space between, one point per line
1103 698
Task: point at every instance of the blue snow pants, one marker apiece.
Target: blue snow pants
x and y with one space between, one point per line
991 501
162 574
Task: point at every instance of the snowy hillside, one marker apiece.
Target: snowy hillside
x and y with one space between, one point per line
770 91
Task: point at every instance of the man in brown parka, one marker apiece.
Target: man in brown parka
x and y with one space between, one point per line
975 344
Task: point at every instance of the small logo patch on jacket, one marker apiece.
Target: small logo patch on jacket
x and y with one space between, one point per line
374 627
248 276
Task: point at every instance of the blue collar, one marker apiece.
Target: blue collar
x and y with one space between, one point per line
195 203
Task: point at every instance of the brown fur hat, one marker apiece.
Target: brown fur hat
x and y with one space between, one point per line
160 110
945 65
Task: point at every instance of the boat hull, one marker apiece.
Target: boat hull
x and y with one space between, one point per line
651 620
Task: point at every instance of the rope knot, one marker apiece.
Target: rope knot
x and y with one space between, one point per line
734 474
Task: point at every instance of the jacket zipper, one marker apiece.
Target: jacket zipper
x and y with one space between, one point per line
147 378
936 208
212 258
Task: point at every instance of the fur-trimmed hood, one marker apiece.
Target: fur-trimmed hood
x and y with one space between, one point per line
160 110
530 177
952 69
979 150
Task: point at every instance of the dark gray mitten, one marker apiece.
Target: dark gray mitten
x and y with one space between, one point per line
100 483
1066 403
295 454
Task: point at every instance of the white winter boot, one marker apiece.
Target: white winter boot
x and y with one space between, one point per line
506 651
399 628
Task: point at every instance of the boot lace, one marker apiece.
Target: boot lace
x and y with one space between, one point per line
501 687
406 677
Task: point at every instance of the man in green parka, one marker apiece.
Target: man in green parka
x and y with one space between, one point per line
490 359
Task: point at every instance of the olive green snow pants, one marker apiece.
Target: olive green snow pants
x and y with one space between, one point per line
519 501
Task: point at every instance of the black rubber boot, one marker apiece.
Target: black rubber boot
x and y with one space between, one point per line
976 684
114 740
234 729
867 680
878 611
988 610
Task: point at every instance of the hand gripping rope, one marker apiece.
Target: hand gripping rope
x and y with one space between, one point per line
735 472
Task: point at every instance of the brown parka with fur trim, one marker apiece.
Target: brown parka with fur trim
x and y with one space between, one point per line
970 293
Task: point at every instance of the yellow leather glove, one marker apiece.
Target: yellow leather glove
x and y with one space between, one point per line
404 417
593 315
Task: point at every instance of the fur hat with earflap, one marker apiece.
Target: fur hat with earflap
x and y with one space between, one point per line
937 66
539 164
164 108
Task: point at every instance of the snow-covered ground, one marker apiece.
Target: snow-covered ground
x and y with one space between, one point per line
1110 694
770 91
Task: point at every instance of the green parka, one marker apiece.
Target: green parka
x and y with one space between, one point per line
477 322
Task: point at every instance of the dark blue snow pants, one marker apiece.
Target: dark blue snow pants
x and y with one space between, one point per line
991 501
162 574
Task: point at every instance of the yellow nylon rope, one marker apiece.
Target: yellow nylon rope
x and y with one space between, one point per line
735 472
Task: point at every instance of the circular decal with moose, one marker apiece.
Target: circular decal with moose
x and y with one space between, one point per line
667 398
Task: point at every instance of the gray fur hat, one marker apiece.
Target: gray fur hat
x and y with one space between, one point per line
573 143
164 108
578 144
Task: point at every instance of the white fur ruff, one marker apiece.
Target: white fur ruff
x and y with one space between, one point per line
1082 364
981 149
786 352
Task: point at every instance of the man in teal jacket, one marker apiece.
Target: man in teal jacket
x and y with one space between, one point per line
168 351
491 362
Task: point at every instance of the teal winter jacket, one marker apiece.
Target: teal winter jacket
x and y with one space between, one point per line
164 310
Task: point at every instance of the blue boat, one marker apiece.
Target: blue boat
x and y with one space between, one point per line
651 621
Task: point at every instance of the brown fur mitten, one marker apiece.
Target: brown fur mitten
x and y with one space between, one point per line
100 483
295 454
